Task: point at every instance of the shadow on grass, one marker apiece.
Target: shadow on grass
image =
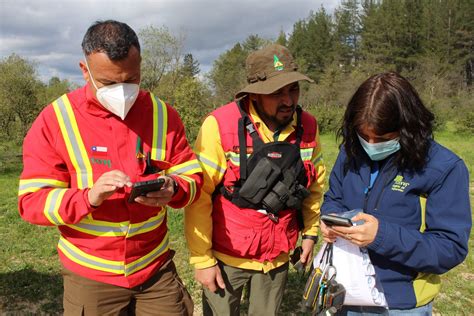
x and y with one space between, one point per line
31 292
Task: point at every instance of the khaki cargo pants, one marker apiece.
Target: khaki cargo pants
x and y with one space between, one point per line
162 294
265 292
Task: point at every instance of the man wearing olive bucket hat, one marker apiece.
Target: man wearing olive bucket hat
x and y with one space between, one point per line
264 177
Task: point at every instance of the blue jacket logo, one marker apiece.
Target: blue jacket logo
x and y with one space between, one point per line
399 185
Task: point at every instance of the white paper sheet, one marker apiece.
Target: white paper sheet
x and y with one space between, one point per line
356 273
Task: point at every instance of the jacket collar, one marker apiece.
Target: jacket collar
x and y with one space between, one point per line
93 105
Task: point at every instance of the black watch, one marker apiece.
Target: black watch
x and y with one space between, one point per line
313 238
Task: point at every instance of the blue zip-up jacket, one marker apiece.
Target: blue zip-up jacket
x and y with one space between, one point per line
424 220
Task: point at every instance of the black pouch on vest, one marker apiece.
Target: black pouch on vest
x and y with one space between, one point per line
276 199
260 181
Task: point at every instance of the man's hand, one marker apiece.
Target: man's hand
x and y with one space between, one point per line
161 197
307 246
210 278
106 185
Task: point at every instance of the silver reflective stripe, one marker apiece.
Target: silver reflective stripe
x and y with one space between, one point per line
54 200
211 164
234 158
140 264
144 226
90 262
38 185
160 128
74 143
306 154
101 229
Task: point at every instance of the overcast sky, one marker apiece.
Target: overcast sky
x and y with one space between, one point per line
50 32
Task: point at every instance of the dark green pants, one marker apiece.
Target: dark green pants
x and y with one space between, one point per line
265 289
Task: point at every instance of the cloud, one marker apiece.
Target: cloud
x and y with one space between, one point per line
50 32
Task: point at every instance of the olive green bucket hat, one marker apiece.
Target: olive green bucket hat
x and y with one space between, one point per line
269 69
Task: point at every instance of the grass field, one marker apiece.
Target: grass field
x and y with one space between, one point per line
30 282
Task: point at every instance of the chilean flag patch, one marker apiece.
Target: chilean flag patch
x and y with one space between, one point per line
99 150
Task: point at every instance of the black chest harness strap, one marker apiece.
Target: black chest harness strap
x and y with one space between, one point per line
272 178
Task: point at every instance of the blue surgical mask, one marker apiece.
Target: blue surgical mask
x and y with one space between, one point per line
380 151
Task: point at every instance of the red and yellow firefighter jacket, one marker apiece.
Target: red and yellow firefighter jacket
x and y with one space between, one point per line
70 145
246 238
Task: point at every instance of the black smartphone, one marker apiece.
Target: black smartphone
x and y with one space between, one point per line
334 220
143 187
295 259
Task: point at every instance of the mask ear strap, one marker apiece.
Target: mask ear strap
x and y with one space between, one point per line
90 73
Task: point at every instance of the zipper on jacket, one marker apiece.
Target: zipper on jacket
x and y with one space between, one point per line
387 179
368 189
371 184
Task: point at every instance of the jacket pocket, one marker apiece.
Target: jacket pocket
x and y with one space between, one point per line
233 232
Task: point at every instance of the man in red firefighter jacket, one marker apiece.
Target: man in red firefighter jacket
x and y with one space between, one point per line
81 157
263 182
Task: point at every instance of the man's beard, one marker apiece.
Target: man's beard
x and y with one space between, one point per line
282 122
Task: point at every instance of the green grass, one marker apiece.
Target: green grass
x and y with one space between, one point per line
31 283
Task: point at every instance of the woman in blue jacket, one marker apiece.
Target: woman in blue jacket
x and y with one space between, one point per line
414 194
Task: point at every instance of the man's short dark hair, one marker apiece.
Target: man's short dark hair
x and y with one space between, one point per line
111 37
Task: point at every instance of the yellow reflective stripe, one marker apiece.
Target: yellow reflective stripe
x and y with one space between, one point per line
160 128
234 157
101 228
147 226
192 187
306 153
118 229
80 257
144 261
189 167
74 144
51 206
423 213
210 163
33 185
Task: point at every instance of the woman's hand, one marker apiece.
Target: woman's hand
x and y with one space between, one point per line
328 235
361 235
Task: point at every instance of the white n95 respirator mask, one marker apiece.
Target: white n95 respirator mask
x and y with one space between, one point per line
117 98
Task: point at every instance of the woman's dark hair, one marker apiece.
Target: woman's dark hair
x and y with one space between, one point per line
111 37
387 102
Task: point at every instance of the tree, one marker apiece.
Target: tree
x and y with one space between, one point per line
161 54
392 33
282 38
312 44
190 66
53 90
227 75
19 85
254 42
192 101
347 32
